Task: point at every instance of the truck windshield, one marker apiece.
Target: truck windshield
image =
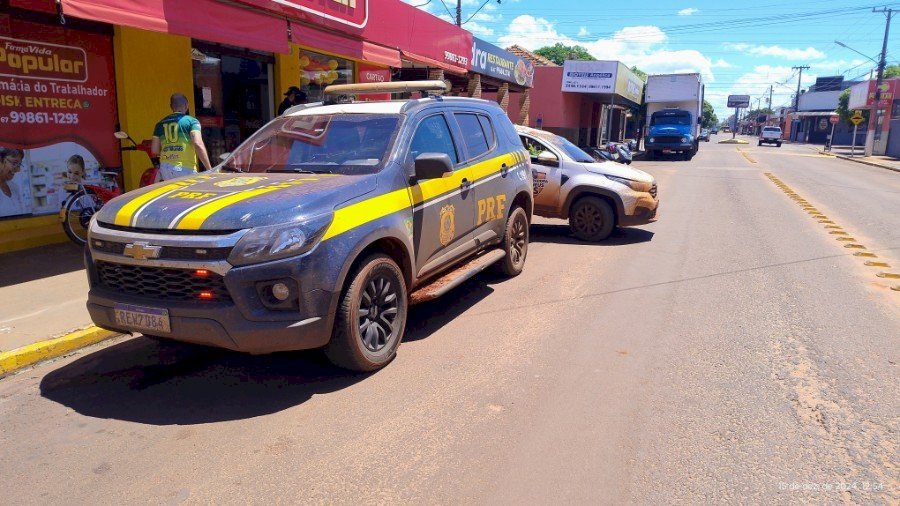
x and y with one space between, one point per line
670 118
349 144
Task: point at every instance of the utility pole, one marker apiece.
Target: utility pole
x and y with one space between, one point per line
458 12
799 78
873 114
771 111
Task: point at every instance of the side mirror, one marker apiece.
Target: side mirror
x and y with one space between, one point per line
548 158
433 165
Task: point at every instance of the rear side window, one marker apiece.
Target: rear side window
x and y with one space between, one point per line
433 136
487 128
473 134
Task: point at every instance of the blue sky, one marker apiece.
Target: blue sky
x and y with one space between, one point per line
740 47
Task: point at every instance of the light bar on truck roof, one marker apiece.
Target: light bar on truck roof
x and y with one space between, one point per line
389 87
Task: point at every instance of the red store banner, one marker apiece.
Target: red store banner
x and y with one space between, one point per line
372 74
57 113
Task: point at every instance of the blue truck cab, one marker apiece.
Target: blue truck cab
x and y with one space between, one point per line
672 131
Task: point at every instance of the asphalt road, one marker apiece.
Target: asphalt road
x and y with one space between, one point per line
734 351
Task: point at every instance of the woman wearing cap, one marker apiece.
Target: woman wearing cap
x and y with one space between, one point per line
10 197
293 96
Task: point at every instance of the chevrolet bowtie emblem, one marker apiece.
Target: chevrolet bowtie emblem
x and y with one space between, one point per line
141 251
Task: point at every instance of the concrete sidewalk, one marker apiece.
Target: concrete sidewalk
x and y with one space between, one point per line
43 292
846 153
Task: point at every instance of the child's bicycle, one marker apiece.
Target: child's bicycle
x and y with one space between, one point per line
85 199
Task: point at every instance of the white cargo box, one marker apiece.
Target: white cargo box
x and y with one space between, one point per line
673 88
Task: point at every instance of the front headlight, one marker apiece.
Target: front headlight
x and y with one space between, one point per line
263 244
652 139
684 140
637 186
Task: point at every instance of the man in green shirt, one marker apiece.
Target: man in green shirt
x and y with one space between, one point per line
178 143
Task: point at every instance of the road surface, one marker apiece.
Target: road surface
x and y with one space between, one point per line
734 351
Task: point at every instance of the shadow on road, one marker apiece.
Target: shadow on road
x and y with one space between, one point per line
36 263
166 383
561 234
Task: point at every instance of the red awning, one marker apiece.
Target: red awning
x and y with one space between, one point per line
345 46
424 60
199 19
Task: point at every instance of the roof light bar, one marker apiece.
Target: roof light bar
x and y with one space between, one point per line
389 87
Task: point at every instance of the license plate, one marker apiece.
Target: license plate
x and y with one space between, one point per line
667 151
143 318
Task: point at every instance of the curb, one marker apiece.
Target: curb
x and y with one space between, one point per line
857 160
25 356
733 141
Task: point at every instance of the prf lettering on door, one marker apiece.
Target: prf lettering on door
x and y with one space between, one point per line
490 208
348 3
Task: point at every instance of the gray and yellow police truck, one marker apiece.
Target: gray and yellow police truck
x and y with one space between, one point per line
321 229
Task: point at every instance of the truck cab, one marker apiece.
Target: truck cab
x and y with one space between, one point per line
672 131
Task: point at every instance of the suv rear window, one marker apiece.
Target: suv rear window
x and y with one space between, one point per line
771 129
477 141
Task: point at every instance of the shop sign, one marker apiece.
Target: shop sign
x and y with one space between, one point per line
628 84
57 114
490 60
353 13
738 101
589 76
373 74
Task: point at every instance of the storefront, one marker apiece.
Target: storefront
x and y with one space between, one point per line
497 74
112 65
862 96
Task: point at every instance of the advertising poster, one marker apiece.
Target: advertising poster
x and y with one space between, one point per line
493 61
57 113
372 74
589 76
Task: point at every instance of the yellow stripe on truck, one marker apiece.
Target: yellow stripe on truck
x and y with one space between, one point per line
360 213
126 212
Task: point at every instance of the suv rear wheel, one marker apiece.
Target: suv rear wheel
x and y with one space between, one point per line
591 219
515 243
371 317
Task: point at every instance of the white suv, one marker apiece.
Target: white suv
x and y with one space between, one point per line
770 135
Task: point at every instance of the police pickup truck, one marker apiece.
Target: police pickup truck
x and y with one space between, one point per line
321 229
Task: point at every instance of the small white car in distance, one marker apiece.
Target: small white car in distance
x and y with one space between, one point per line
770 135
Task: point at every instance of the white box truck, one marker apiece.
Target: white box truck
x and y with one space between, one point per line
674 108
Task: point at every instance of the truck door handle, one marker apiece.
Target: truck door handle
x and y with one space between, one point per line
504 170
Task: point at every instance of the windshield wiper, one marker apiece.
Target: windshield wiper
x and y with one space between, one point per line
300 171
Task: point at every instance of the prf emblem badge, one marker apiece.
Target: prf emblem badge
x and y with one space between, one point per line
448 224
238 181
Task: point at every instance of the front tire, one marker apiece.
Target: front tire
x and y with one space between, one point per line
777 144
592 219
515 243
371 318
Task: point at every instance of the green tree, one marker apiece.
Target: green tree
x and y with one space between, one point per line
843 108
640 73
708 119
892 71
559 53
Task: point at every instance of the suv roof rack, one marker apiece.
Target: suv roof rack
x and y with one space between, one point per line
389 87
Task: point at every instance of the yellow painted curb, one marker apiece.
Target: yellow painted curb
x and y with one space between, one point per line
25 356
734 141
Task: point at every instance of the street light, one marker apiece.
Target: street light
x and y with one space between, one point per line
845 46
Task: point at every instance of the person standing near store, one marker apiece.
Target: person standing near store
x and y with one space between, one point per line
10 197
293 96
178 143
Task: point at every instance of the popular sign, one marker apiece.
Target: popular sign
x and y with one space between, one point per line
28 59
589 76
490 60
740 101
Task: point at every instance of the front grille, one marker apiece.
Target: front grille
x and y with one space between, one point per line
653 190
667 139
167 252
162 283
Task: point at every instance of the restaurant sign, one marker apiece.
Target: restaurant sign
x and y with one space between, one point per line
490 60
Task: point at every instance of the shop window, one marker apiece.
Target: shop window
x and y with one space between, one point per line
895 109
433 136
232 96
319 70
473 135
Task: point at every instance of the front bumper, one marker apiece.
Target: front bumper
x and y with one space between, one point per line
241 321
673 146
643 209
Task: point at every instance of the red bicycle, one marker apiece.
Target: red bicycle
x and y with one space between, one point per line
85 199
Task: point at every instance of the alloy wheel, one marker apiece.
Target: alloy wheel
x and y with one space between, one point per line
378 308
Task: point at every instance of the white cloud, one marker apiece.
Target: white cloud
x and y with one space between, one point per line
722 64
688 11
641 46
583 32
810 53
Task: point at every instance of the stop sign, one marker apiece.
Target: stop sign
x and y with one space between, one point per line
834 120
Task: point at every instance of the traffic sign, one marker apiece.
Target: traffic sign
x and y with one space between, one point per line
834 120
857 118
740 101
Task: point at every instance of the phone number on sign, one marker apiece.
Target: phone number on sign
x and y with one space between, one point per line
57 118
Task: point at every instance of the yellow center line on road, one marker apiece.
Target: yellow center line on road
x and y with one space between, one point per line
834 230
749 159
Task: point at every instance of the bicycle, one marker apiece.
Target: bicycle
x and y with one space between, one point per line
85 199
